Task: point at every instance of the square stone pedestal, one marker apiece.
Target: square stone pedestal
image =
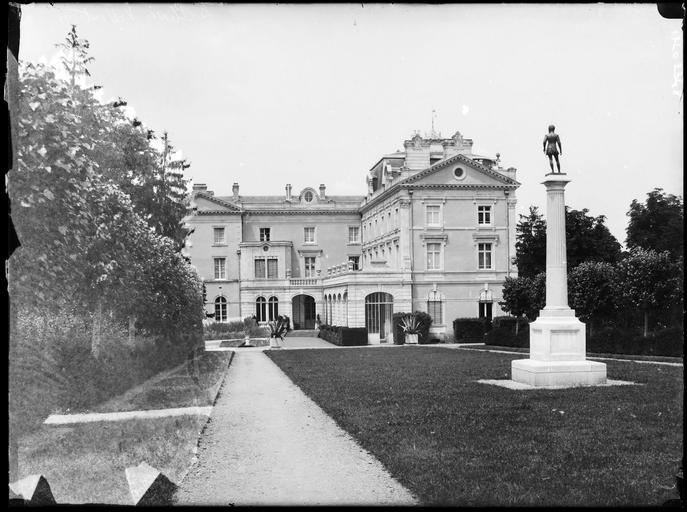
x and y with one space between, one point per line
558 353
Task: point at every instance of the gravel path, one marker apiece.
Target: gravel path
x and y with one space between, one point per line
267 443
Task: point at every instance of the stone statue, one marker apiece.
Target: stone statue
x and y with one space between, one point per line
552 147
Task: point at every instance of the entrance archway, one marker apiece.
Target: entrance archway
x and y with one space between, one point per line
303 309
379 308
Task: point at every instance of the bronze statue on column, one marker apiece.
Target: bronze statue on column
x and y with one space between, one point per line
552 147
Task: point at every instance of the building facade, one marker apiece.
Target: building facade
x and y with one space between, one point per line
435 232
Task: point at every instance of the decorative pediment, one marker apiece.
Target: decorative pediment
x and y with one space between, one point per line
481 238
441 238
205 203
462 171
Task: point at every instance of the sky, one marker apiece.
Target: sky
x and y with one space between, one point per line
266 94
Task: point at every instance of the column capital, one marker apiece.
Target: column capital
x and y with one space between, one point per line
556 181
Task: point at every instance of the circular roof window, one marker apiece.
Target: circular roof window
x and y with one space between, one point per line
307 196
459 173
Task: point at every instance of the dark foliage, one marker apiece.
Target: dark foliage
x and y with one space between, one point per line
470 330
343 336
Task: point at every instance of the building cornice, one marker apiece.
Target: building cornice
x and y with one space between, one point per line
355 211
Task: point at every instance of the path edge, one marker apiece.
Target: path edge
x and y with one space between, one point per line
220 387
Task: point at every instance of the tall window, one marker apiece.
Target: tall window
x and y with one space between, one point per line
266 268
220 309
355 260
271 268
433 215
220 268
434 307
433 256
353 235
261 309
218 237
260 269
273 308
265 234
309 235
309 266
484 256
484 215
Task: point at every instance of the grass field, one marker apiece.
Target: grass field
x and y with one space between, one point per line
451 440
85 463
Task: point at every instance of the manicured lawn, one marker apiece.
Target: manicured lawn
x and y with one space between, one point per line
85 463
451 440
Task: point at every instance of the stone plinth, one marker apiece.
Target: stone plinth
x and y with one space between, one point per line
557 337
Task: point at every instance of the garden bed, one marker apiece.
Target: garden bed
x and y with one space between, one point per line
85 463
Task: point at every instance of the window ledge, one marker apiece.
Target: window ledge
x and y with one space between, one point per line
219 245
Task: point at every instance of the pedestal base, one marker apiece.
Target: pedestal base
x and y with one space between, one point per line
558 373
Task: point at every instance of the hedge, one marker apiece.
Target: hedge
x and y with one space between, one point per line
343 336
502 332
614 340
470 330
606 340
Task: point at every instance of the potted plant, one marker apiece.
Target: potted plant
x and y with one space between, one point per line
411 325
278 329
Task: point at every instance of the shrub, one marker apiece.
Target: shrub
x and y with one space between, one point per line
423 318
470 330
219 330
618 340
425 323
503 333
343 336
399 336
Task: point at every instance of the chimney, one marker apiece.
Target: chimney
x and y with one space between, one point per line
288 191
235 190
200 187
322 187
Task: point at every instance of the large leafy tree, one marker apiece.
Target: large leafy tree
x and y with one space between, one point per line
524 295
651 282
94 202
657 224
587 239
592 291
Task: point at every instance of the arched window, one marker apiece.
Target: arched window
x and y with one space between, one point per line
273 308
261 309
220 309
435 307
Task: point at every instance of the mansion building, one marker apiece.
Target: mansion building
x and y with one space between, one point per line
435 232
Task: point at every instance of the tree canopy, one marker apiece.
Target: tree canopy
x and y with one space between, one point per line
587 239
97 207
657 224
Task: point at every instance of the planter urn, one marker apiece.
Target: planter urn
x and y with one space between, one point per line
274 343
411 339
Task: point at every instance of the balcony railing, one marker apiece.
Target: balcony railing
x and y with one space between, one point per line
308 281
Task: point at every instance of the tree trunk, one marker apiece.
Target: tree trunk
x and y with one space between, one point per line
646 323
132 330
97 321
517 324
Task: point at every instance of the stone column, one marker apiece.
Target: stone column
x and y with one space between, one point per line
557 337
556 257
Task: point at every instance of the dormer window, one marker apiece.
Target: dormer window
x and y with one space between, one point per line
308 196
